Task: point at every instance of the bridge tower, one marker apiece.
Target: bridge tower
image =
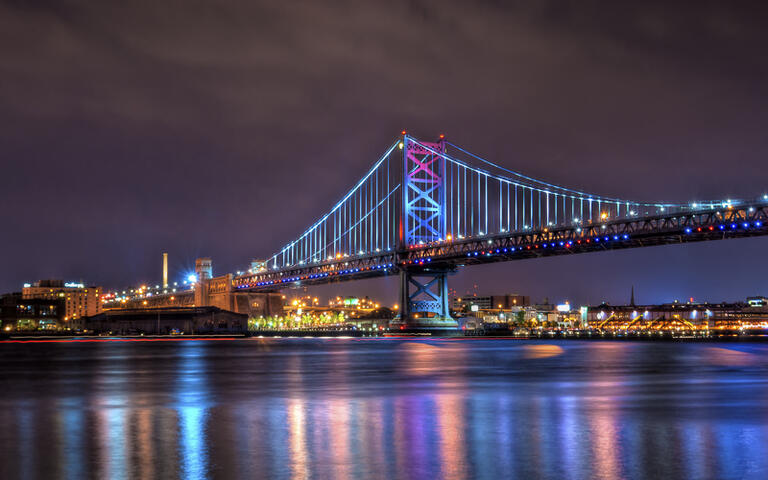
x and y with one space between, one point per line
204 272
422 220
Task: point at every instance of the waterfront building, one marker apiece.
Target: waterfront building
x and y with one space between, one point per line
760 301
475 303
79 300
164 321
20 314
676 315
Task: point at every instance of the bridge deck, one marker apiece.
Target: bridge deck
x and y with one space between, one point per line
675 228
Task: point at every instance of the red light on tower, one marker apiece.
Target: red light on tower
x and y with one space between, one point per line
442 136
403 132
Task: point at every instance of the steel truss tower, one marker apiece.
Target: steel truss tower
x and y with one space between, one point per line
423 222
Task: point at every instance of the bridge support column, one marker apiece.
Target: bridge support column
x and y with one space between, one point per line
424 302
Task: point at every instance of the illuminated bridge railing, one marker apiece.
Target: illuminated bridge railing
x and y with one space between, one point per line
348 268
671 228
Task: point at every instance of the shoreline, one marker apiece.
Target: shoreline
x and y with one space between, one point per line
341 334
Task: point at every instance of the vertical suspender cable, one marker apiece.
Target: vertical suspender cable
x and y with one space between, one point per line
501 216
509 201
449 197
539 209
472 205
530 212
485 191
516 208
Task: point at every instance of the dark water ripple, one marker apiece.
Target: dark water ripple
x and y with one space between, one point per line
383 408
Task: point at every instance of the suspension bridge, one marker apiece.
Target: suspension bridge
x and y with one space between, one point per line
426 209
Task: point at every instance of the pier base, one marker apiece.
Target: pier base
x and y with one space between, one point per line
424 303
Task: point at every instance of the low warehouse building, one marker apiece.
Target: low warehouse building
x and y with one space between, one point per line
165 321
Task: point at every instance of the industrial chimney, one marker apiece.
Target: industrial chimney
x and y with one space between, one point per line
165 270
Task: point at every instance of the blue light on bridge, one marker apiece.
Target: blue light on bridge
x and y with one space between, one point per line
313 248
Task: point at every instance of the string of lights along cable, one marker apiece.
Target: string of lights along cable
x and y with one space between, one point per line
478 201
427 198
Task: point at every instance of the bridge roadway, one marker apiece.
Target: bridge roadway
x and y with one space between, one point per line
746 220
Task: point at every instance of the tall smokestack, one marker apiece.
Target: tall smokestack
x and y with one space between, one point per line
165 270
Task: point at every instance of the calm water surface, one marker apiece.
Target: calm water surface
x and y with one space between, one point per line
383 408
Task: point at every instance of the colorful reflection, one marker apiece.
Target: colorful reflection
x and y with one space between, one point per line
71 427
347 409
192 410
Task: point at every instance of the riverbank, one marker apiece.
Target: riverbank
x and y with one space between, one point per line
404 334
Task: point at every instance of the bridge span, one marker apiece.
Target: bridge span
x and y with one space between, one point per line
426 209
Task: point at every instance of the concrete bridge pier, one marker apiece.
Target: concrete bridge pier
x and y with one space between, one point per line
424 302
219 292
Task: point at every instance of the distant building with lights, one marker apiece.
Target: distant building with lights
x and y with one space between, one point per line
690 315
20 314
353 302
164 321
757 301
490 302
79 300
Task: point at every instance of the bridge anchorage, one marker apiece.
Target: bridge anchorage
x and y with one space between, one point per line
425 209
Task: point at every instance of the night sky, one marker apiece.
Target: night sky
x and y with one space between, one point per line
224 128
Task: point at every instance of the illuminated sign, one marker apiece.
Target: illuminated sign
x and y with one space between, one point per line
351 301
474 308
757 301
564 307
27 285
74 285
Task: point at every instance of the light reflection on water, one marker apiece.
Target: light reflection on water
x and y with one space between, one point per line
70 424
191 392
331 408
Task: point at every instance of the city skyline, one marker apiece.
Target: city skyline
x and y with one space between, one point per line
129 164
409 239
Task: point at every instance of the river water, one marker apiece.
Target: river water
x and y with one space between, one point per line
383 408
